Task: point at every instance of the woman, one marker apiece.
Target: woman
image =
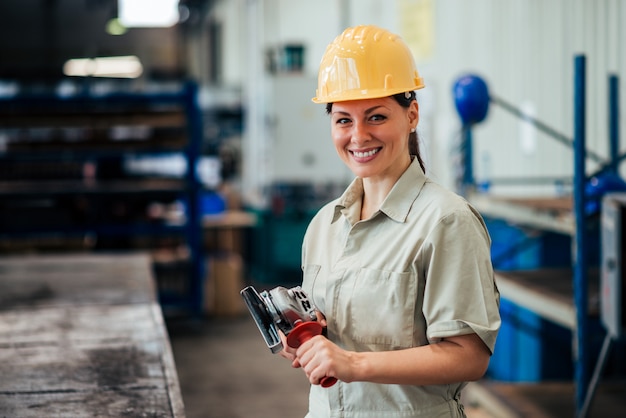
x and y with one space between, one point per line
398 266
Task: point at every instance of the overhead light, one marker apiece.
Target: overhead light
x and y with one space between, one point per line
147 13
8 88
114 27
113 67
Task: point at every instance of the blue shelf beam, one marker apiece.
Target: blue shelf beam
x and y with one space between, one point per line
614 122
581 282
194 223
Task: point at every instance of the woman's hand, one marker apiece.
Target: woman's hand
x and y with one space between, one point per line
319 358
290 353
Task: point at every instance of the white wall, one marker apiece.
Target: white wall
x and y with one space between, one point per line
524 49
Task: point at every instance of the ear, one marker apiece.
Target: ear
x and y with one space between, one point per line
413 114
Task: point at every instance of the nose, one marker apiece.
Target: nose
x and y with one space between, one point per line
360 132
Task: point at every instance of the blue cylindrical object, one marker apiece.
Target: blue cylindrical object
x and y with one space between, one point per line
212 203
598 186
471 98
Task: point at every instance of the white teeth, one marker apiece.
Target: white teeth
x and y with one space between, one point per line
365 154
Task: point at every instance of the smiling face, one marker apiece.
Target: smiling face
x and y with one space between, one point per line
371 136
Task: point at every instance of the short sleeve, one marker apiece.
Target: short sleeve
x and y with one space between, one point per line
461 296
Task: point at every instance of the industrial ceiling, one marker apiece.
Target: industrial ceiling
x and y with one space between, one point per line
38 36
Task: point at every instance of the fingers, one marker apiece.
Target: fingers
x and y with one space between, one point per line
285 354
313 356
288 352
295 363
321 318
316 357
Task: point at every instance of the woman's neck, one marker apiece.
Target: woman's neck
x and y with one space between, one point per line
375 191
374 194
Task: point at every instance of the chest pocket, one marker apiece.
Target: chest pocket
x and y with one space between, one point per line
381 308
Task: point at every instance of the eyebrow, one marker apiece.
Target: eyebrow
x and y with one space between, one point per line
367 111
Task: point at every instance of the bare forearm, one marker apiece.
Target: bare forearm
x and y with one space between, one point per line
448 361
455 359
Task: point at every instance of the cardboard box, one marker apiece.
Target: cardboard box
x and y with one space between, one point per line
224 281
224 239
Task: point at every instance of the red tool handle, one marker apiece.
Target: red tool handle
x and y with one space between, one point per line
302 332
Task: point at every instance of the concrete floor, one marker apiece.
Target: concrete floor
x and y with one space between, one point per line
226 371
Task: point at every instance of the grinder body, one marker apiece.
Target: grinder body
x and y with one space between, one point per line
287 310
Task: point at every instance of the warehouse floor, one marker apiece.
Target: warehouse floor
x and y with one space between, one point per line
226 371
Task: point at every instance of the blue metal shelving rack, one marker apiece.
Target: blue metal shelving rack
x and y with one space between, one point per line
190 187
584 386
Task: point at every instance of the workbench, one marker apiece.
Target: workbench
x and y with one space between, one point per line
82 335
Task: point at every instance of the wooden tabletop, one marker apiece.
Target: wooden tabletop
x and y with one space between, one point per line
83 336
229 219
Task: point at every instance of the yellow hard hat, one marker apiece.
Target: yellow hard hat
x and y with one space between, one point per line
366 62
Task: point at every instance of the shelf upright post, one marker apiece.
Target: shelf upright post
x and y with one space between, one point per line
614 167
581 354
614 121
193 185
468 160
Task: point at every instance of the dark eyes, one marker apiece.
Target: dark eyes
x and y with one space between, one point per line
372 118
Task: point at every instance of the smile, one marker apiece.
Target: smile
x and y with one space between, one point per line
365 154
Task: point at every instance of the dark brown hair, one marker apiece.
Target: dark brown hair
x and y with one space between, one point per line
404 100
